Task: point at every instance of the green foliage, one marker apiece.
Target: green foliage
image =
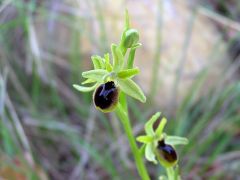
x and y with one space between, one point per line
104 71
64 131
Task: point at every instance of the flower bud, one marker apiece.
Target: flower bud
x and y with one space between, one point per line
106 96
131 37
166 154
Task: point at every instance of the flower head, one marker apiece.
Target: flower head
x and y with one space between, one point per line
158 145
116 73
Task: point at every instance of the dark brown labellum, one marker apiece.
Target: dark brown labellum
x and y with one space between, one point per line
167 152
106 96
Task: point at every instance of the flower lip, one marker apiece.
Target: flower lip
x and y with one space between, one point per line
167 152
106 96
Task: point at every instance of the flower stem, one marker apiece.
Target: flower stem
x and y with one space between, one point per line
123 116
172 174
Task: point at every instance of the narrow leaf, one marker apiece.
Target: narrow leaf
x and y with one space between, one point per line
128 73
176 140
95 75
83 88
149 125
130 88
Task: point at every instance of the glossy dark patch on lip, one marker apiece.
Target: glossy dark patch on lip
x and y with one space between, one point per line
167 152
106 96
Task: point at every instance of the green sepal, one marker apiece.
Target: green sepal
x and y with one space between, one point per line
108 65
98 62
128 73
149 154
175 140
84 89
96 74
118 59
88 81
130 88
149 125
145 139
160 127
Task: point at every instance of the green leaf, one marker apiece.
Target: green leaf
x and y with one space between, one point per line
118 59
96 75
149 125
84 89
130 88
175 140
128 73
161 127
145 139
98 62
149 154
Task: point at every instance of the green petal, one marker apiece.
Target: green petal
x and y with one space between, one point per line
128 73
83 88
109 67
98 62
144 139
175 140
130 88
150 156
118 59
161 127
96 75
149 125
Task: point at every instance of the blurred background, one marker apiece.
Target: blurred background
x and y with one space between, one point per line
190 70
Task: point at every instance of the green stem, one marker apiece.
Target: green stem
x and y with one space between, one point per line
123 116
172 174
